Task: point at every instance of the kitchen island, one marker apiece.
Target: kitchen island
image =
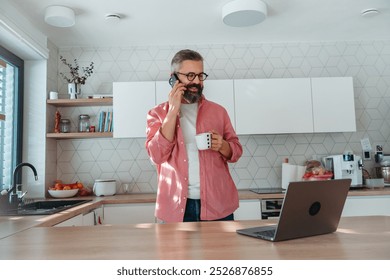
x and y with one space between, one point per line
357 238
12 224
34 237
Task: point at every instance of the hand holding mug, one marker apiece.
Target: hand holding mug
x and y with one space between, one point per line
209 140
216 141
204 140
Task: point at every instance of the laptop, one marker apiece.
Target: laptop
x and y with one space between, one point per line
268 190
309 208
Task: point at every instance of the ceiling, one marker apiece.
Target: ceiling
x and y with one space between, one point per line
178 22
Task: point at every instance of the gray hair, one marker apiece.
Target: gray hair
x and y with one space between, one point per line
183 55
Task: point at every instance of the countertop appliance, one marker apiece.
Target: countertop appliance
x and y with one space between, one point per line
104 187
346 166
380 157
270 208
383 171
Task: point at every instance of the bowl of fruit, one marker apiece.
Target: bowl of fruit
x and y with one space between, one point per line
61 190
63 193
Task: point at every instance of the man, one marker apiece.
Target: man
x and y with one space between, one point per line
193 185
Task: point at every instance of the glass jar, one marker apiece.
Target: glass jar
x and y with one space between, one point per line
65 126
84 123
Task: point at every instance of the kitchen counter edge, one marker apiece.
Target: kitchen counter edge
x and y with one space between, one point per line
17 224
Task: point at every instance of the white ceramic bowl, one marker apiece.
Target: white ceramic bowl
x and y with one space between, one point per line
63 193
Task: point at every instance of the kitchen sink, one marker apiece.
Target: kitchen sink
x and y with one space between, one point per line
44 207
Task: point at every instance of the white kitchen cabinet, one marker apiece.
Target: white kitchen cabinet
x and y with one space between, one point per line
366 206
87 219
333 104
131 103
72 222
249 210
95 217
163 88
132 213
221 92
255 106
273 106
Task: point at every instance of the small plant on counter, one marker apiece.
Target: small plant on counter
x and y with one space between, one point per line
75 77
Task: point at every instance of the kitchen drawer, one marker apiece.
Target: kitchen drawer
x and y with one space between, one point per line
133 213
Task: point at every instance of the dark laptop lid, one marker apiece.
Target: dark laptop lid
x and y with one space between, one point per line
309 208
312 208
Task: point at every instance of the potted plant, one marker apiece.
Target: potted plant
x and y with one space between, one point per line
74 79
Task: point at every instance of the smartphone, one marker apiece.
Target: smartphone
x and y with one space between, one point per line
186 95
173 79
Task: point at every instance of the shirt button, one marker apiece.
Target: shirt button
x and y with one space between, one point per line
185 160
182 210
185 179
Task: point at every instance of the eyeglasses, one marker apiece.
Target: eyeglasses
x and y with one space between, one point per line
191 76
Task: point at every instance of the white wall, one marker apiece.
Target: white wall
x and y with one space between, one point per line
19 35
25 41
126 159
34 124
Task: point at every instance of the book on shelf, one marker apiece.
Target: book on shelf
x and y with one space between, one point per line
105 121
110 121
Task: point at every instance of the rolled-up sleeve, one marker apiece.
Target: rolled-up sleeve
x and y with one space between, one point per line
230 136
157 146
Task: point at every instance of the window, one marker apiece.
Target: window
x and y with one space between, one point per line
11 114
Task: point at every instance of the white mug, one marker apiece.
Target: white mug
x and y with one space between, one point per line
53 95
203 140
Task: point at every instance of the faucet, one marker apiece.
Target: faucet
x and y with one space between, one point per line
13 200
17 168
13 197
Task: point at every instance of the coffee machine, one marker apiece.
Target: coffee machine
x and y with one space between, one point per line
346 166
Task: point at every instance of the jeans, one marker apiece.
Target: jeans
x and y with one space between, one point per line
192 213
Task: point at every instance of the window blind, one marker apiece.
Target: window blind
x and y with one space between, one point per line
6 124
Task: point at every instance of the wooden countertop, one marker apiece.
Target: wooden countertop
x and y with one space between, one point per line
10 225
356 238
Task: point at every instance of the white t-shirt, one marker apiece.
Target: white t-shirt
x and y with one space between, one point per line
189 113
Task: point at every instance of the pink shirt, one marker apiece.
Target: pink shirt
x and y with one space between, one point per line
219 196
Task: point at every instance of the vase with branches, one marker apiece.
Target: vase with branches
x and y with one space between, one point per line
75 79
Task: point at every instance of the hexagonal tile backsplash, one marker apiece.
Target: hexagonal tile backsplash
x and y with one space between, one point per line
126 160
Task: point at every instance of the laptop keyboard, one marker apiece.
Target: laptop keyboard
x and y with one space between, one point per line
267 233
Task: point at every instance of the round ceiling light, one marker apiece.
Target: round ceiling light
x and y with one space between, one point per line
240 13
369 12
60 16
113 18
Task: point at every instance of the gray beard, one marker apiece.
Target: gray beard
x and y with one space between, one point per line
192 97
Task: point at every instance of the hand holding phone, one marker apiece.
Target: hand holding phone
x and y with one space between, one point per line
176 95
187 95
173 79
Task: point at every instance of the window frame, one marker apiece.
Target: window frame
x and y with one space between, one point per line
17 151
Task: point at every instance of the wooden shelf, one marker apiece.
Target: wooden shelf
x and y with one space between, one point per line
79 135
80 102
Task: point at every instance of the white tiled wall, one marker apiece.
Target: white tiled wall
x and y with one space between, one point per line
126 160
